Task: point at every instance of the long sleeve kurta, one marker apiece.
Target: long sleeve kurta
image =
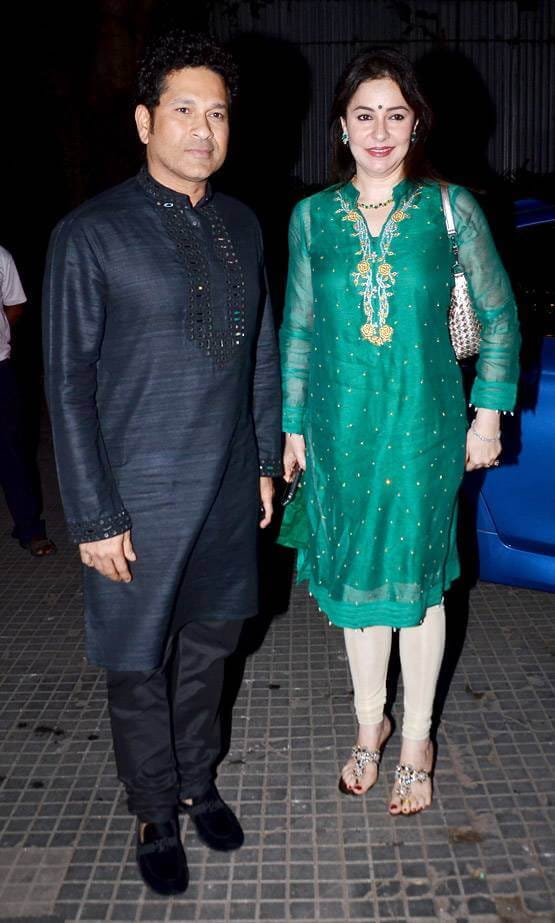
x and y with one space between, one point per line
371 381
162 380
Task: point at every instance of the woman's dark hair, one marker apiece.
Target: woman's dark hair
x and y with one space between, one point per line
172 51
373 64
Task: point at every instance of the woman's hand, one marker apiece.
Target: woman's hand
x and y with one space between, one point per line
294 455
483 453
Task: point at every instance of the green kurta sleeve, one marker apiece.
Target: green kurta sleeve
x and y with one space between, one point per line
493 300
296 330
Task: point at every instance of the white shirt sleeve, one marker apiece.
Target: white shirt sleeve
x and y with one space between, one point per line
10 283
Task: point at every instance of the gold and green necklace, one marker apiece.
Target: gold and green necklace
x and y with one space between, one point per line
375 204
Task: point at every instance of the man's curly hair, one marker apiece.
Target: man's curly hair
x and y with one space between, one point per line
172 51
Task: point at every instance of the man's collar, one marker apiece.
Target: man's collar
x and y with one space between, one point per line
165 197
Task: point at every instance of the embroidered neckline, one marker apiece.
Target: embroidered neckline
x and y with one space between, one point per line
374 273
401 191
200 236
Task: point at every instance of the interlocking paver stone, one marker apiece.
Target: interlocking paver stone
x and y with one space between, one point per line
484 852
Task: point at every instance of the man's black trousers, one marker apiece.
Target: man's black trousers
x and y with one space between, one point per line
166 723
19 474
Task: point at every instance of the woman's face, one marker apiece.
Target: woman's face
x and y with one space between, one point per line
379 123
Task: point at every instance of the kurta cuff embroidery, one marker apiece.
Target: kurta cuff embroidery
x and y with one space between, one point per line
500 396
97 529
271 467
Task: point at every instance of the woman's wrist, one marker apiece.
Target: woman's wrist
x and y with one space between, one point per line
482 436
486 422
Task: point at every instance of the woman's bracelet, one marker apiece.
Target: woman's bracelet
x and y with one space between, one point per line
484 438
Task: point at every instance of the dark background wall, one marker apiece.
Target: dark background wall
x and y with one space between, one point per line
68 71
488 67
68 68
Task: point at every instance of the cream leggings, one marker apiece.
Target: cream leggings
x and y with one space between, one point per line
421 651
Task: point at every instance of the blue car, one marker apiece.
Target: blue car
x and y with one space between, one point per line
514 504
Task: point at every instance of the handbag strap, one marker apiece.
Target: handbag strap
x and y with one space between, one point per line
449 221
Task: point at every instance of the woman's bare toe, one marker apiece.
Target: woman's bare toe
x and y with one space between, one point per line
360 772
412 791
355 781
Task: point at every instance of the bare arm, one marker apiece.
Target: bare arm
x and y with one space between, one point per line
13 312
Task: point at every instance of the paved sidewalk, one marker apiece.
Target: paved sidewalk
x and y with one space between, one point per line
484 852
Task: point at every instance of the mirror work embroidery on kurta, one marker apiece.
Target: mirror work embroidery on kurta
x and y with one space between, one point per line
206 249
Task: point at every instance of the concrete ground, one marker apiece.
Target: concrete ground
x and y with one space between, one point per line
484 851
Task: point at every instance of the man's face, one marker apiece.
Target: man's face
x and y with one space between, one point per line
186 138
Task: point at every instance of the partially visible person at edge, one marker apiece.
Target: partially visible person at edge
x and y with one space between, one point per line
163 385
19 475
374 408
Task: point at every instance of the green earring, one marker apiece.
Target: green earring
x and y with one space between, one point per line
345 137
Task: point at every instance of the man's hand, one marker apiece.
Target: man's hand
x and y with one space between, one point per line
109 556
266 500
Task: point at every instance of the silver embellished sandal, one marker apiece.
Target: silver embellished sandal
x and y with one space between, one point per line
362 757
405 777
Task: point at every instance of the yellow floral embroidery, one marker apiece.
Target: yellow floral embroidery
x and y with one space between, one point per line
368 331
377 335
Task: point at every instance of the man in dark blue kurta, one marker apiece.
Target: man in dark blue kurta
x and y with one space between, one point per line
163 388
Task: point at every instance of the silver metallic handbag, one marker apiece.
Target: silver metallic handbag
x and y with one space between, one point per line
464 326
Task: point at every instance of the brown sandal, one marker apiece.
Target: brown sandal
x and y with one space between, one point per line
39 547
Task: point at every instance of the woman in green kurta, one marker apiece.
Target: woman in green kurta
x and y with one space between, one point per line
374 408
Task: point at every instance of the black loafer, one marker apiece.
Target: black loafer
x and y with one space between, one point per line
216 823
161 858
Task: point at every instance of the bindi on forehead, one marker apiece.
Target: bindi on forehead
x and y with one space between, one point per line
387 108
